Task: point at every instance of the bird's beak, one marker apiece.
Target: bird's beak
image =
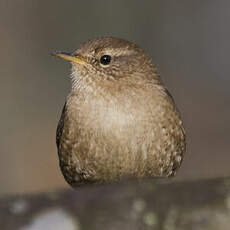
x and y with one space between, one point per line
70 57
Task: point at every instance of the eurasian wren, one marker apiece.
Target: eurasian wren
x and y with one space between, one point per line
119 120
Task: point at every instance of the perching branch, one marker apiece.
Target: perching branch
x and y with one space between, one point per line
153 204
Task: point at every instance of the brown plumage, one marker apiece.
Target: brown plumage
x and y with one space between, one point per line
119 121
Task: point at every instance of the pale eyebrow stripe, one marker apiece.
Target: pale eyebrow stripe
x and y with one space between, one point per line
118 51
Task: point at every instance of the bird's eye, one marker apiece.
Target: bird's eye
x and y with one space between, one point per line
105 59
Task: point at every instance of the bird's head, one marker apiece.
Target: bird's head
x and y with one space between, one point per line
109 59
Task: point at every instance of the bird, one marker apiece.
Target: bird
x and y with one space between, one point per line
119 121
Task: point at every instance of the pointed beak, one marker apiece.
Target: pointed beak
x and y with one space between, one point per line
71 57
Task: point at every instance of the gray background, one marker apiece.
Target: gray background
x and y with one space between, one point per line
188 41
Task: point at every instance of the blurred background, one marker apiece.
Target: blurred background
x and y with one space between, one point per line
188 41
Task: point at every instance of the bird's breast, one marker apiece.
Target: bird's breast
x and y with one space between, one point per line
105 117
121 136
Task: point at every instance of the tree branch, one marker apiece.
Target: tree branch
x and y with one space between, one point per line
153 204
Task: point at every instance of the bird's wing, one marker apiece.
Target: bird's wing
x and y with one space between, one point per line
60 126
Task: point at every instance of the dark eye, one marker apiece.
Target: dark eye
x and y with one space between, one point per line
105 59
